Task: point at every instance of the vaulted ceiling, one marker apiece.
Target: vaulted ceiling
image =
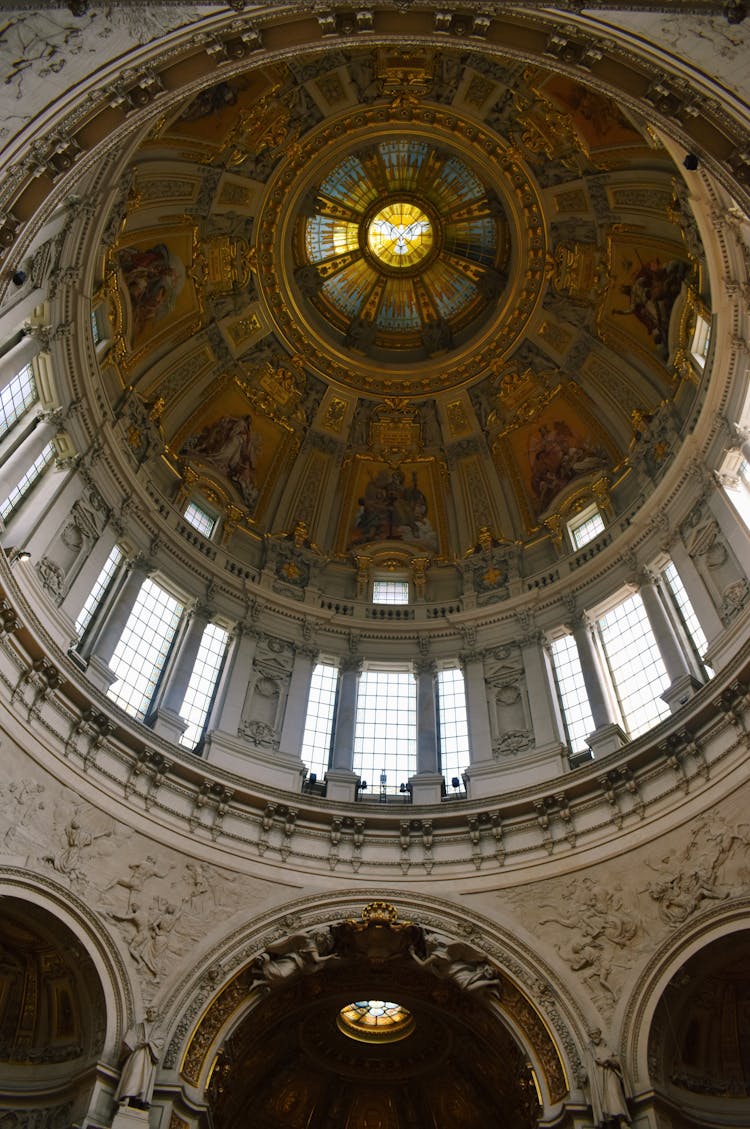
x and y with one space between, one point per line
448 291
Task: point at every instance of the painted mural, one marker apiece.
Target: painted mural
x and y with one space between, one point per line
647 277
554 450
598 120
393 506
229 445
154 277
245 451
154 272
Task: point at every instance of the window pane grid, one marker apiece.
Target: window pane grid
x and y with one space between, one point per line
390 592
199 519
16 398
321 704
686 612
197 702
95 328
98 592
637 669
27 482
452 723
571 691
385 737
143 647
587 530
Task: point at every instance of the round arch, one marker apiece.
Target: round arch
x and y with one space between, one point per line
79 963
429 950
648 990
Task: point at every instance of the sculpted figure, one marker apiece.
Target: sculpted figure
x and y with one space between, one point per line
452 960
139 1072
292 957
140 873
606 1083
77 839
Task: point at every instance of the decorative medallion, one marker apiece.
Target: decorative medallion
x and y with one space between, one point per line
417 244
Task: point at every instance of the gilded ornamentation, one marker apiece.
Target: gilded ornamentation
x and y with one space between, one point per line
244 328
510 314
405 71
395 430
571 200
332 89
419 567
335 414
479 90
458 421
579 271
233 193
556 335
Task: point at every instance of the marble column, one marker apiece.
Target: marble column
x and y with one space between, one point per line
427 783
295 710
608 735
165 719
477 709
698 593
17 358
545 717
341 780
28 450
103 642
682 681
226 713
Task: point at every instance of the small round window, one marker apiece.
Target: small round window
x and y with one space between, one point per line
375 1021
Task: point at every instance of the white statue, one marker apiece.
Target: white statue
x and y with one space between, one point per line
454 960
139 1072
607 1084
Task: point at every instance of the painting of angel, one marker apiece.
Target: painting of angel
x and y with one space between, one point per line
229 445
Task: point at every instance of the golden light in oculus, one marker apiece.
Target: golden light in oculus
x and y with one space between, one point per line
400 235
375 1021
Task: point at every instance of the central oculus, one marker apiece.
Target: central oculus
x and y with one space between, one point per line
400 235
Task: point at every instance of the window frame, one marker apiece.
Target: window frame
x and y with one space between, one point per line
577 688
28 482
402 771
581 519
311 751
10 421
158 663
105 589
210 514
393 582
207 691
618 686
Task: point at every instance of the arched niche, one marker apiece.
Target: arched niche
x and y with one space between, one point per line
650 1044
63 1002
699 1040
280 1006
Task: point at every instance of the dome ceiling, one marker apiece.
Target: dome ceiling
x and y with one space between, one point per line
397 305
403 248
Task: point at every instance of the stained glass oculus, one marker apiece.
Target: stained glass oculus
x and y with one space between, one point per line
375 1021
400 235
409 247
